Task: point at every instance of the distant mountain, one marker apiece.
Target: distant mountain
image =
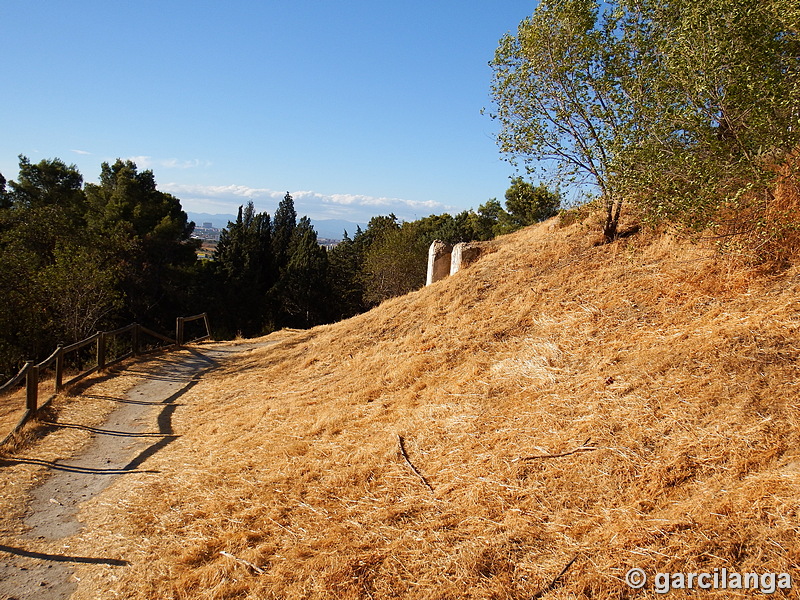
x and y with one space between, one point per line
331 229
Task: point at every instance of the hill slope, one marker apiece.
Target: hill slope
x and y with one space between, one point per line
667 380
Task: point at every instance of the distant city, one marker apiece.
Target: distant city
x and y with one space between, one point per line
329 231
209 227
207 232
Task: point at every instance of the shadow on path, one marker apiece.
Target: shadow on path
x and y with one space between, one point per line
119 447
56 466
64 558
122 400
164 419
99 431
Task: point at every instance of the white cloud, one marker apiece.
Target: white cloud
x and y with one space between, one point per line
362 200
148 162
220 191
142 162
356 207
359 200
82 152
174 163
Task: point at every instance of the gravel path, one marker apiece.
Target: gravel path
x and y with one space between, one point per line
138 428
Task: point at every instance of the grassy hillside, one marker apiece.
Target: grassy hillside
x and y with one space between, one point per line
668 379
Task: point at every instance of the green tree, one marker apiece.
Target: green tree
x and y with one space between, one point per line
79 289
244 251
692 110
245 272
445 227
527 204
152 235
129 197
345 263
56 281
23 311
45 203
283 225
5 199
352 280
376 228
304 283
559 100
395 262
715 87
49 183
484 223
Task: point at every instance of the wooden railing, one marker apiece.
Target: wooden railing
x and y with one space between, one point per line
107 346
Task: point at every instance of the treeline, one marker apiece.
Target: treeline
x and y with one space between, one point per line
269 271
76 258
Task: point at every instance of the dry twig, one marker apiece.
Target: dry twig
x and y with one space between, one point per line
402 443
553 583
582 448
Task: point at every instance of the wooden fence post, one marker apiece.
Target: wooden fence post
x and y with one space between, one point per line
101 350
32 389
60 368
208 327
179 331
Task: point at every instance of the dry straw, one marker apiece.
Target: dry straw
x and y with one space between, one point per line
680 367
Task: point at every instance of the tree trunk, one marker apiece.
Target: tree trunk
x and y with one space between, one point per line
612 220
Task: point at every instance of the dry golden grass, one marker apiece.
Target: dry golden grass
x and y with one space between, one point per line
12 408
763 225
681 369
785 210
13 403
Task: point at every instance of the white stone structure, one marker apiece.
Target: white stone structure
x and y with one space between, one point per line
438 261
464 254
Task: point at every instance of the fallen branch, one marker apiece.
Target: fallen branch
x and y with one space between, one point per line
247 563
582 448
553 583
402 443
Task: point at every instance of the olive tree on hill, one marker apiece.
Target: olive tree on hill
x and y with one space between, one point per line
689 109
560 106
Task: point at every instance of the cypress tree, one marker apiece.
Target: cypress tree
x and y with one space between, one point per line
283 225
245 273
304 283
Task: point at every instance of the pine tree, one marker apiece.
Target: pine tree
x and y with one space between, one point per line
153 236
5 199
58 281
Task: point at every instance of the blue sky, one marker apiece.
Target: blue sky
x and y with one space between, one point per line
357 108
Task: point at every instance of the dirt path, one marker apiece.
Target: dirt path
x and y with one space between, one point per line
138 428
